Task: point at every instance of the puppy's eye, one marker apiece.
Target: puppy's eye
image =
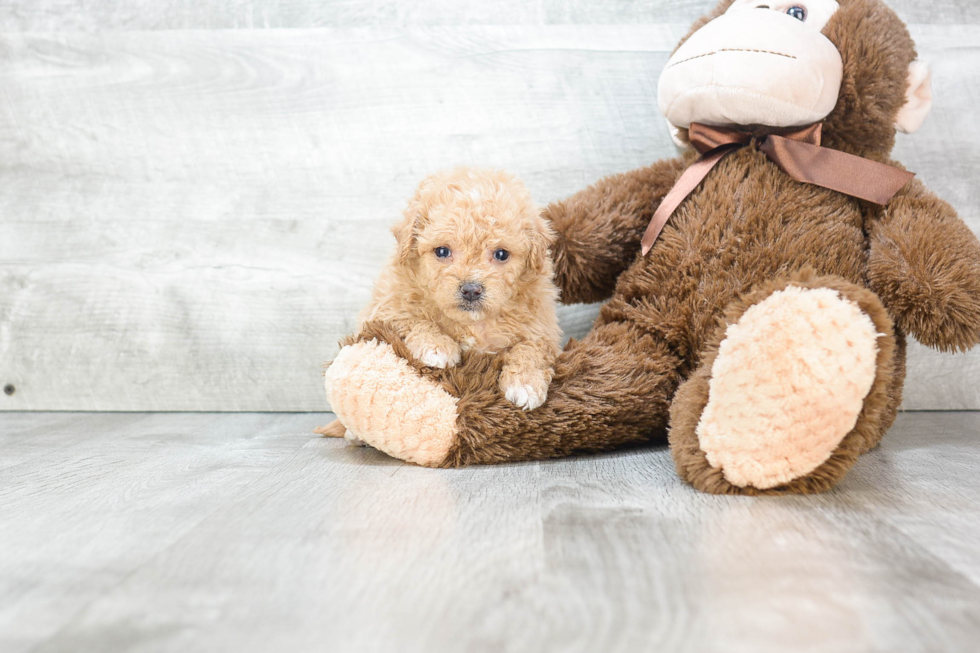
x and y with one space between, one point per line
501 255
799 13
442 252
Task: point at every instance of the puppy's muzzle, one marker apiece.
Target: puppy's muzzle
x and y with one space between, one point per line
471 293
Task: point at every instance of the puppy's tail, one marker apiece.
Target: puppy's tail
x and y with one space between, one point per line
332 430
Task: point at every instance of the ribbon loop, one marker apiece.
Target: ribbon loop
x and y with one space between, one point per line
704 138
797 153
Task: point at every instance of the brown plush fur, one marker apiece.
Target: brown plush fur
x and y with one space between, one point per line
599 229
747 231
591 375
923 264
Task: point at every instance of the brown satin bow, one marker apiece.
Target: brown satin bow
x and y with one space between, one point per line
798 154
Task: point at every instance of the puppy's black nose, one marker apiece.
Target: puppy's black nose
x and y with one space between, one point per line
471 291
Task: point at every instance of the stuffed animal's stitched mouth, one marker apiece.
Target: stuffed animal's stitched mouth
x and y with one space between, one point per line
709 54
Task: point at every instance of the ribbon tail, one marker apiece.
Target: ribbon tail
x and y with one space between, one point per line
839 171
688 181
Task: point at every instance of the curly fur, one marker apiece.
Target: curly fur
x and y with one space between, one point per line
474 213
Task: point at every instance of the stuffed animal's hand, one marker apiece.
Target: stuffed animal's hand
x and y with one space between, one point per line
925 266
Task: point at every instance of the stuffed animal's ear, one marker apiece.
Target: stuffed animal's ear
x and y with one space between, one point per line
918 99
542 236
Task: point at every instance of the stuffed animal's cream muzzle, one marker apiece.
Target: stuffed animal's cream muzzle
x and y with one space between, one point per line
754 65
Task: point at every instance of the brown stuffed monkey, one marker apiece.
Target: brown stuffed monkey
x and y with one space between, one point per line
763 334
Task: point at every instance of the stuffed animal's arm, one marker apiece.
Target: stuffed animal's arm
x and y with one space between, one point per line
925 265
599 229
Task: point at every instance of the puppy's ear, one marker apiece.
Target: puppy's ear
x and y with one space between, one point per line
541 236
407 230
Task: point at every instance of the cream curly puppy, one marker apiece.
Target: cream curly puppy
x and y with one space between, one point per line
472 272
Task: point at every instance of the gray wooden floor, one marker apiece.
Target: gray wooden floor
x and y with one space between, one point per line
243 532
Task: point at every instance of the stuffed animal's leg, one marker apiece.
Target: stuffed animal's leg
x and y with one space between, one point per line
801 378
612 388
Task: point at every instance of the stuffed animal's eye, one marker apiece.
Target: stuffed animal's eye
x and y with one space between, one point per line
501 255
442 252
799 13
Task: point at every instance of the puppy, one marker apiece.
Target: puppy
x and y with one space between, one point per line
472 272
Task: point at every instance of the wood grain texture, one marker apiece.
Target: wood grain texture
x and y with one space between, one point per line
244 533
72 15
191 219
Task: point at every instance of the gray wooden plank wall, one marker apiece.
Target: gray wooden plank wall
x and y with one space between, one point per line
191 215
98 15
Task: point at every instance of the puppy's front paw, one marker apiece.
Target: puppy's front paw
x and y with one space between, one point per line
527 389
441 353
440 357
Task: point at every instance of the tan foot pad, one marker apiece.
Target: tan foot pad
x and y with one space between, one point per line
788 384
387 404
